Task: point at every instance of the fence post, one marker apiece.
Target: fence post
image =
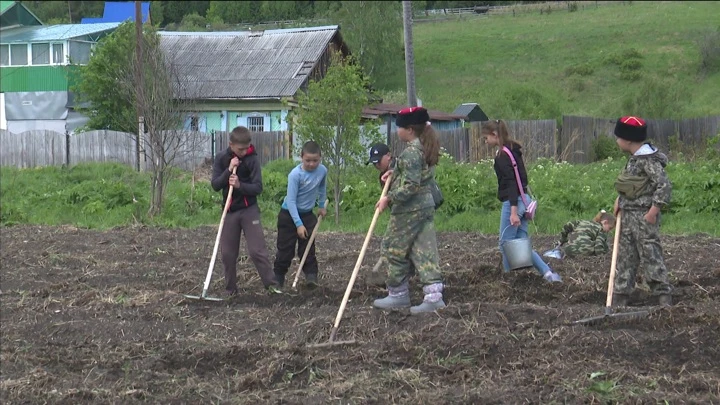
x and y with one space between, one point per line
67 148
212 145
141 130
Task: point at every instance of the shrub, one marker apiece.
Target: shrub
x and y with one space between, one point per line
604 147
657 98
582 69
630 65
709 46
619 57
530 103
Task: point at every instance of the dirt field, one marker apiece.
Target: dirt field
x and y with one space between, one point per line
98 317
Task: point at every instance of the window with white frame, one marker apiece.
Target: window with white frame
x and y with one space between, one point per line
79 52
58 54
256 124
4 55
19 55
41 54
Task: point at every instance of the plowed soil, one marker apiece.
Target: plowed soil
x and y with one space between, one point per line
99 317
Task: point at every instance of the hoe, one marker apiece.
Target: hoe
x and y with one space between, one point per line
332 341
611 283
307 249
204 296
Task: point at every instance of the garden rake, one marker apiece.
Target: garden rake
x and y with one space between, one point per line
351 283
309 245
204 296
611 284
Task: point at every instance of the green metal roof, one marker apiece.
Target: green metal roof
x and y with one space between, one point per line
14 13
44 33
5 5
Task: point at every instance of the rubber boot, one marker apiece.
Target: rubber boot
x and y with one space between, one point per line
665 300
620 300
398 297
433 300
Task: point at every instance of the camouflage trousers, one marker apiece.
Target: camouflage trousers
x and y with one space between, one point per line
410 241
640 246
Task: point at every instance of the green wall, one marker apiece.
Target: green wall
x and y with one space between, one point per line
213 120
35 78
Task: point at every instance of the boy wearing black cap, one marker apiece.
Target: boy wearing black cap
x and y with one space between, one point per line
382 159
643 190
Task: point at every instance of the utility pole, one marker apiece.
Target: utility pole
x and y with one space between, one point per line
138 82
409 55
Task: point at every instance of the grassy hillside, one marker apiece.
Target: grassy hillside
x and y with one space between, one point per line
615 59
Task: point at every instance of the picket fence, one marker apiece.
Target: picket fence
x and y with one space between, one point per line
186 149
573 142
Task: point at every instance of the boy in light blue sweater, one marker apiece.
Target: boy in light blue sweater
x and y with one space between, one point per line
306 188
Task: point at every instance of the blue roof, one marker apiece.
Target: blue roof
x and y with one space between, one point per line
44 33
120 12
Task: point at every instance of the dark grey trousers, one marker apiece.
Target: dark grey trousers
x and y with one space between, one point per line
246 220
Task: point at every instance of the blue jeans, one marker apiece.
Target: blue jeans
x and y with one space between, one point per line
518 232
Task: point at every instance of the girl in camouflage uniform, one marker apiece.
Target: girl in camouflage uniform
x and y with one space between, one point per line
410 238
586 238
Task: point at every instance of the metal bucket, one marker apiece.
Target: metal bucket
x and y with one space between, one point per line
518 252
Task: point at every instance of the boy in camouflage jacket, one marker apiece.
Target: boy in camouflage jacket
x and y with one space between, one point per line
644 189
586 238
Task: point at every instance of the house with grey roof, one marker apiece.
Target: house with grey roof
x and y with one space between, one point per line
241 78
37 65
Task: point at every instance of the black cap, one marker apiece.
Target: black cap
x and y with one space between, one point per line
633 129
377 151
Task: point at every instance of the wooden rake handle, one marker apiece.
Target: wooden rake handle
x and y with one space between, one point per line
613 265
309 245
351 283
228 201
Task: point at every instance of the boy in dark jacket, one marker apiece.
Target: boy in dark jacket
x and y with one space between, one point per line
644 189
243 214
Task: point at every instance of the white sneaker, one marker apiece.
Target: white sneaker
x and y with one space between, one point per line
552 277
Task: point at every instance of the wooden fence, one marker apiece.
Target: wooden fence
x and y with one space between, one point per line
537 138
268 145
573 142
456 143
468 145
579 135
189 149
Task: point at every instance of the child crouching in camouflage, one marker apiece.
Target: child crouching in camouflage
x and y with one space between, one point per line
410 237
644 189
584 238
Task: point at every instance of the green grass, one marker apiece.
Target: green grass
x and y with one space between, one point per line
522 67
107 195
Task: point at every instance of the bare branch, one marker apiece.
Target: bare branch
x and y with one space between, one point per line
167 99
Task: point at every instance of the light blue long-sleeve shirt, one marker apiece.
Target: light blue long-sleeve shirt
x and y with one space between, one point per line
303 190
